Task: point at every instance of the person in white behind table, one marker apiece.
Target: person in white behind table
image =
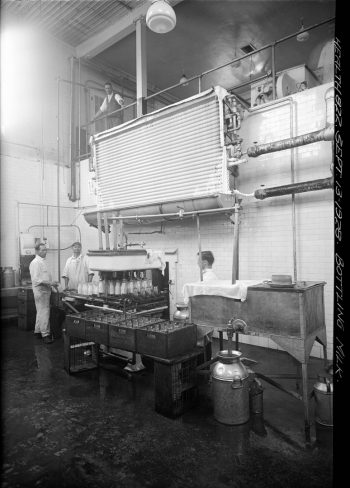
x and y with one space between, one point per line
42 285
207 263
77 269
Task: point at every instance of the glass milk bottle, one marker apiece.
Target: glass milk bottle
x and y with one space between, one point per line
130 286
143 283
134 280
101 286
138 283
84 288
90 287
117 287
110 287
123 288
95 283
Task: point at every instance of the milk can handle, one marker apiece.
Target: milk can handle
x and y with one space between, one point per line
235 380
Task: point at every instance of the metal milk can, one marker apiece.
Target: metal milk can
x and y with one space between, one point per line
323 394
230 387
181 314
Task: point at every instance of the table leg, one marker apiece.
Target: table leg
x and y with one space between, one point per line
221 340
306 402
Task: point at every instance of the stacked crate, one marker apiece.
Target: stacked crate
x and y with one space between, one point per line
26 308
79 355
175 384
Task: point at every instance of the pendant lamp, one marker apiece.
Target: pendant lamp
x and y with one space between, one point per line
303 34
160 17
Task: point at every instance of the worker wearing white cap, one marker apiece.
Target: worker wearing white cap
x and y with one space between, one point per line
42 285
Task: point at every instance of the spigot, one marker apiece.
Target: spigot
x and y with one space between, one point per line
237 325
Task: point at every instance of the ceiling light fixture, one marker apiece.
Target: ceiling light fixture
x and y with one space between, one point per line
160 17
184 80
303 34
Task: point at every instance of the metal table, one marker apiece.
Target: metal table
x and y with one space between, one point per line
293 317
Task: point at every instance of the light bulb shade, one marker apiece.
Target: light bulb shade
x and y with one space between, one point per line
303 35
184 80
160 17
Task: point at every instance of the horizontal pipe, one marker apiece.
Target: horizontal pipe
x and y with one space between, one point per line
306 186
179 214
104 309
277 385
241 58
326 134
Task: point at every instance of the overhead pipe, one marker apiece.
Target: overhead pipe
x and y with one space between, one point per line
263 48
326 134
278 191
180 214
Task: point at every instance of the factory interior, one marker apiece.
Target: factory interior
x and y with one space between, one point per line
170 216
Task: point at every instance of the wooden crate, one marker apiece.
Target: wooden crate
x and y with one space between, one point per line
79 355
75 325
97 331
175 384
122 337
158 342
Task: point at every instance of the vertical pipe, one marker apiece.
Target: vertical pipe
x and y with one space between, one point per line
122 240
235 245
292 171
273 67
115 234
141 66
106 230
99 228
199 250
72 195
58 185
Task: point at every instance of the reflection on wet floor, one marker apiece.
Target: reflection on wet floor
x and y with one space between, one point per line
100 428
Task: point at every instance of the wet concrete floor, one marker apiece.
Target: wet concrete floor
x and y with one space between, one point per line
99 429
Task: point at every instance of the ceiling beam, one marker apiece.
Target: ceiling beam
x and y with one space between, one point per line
113 33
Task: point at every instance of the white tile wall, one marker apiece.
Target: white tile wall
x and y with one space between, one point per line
266 243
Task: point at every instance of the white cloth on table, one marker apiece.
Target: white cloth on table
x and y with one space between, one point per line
223 288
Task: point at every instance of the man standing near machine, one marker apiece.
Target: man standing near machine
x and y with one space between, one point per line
110 104
77 269
42 284
207 264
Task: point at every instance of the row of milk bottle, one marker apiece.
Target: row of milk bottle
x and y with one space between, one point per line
135 285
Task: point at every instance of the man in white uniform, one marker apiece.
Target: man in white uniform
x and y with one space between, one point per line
207 263
42 284
77 269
